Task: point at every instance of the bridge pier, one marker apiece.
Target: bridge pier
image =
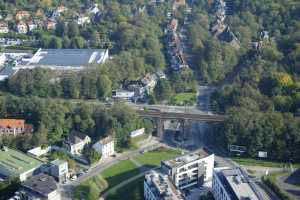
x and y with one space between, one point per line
186 125
160 128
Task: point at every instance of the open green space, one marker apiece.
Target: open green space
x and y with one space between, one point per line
153 158
133 191
185 98
264 163
90 189
120 172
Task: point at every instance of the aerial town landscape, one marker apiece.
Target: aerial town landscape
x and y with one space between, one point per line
149 100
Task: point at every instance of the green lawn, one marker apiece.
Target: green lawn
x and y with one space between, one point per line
188 98
90 189
153 158
136 189
254 162
120 172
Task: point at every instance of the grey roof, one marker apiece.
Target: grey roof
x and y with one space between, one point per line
68 57
41 184
75 137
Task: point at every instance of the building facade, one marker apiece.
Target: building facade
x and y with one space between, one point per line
14 127
105 146
190 170
76 142
59 170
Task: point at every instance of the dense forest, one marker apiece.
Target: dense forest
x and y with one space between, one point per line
258 86
53 120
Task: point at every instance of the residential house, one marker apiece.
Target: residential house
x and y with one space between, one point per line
50 25
149 81
40 13
105 146
22 27
122 94
83 19
173 24
61 9
22 15
31 25
94 9
39 187
14 127
76 142
4 27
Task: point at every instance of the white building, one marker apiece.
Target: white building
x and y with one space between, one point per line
105 146
59 169
76 142
38 151
233 184
137 132
122 94
157 186
189 170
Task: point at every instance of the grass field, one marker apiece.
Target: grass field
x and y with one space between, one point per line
153 158
120 172
254 162
132 191
188 98
90 189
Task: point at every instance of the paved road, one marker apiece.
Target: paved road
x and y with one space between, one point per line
293 190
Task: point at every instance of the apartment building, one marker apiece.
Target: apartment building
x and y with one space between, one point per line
189 170
233 184
14 127
105 146
158 186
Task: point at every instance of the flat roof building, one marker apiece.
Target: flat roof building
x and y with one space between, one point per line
191 169
233 184
17 164
157 186
66 59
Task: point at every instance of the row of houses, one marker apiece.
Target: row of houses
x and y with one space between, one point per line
27 22
175 47
179 178
220 29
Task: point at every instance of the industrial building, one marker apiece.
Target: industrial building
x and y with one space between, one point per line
14 163
66 59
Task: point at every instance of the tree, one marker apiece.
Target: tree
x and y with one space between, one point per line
104 86
93 156
163 90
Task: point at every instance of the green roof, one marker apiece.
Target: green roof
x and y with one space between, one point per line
14 162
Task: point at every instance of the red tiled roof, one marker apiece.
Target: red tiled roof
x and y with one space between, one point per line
15 123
